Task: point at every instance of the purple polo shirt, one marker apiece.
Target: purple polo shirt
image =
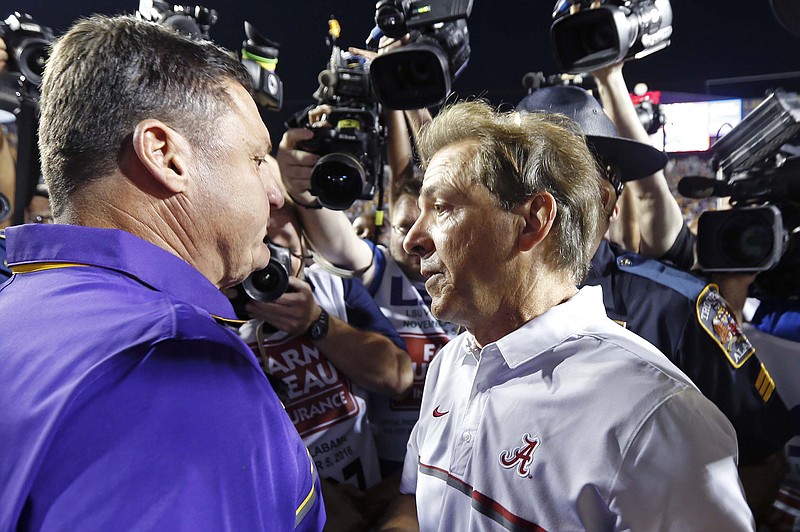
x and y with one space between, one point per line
125 404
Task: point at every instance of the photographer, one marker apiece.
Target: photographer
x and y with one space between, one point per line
391 275
327 343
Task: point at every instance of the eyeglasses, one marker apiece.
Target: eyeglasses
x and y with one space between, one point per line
402 229
42 219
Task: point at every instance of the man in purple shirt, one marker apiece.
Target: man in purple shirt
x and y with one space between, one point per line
126 403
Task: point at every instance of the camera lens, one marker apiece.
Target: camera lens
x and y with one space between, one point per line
270 283
391 19
746 240
32 58
337 180
267 284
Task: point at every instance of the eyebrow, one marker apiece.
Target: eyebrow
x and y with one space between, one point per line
445 188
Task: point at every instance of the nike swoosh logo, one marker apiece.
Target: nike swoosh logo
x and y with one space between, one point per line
437 413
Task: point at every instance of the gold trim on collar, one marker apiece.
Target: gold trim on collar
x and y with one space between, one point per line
41 266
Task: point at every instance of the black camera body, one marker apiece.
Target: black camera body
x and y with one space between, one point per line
28 46
259 55
260 58
351 165
192 20
761 233
266 284
420 73
351 157
346 81
587 35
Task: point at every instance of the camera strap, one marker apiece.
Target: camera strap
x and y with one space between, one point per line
329 267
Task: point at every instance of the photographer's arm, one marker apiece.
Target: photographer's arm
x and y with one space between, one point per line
399 143
330 232
367 358
657 212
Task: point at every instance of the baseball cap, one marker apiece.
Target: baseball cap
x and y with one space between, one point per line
634 160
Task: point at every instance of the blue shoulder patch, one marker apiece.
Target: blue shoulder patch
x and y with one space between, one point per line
682 282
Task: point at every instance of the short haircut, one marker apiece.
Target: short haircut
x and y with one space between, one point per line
517 155
406 186
105 75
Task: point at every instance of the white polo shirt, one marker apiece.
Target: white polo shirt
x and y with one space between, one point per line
570 422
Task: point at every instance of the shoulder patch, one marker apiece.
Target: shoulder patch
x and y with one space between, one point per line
718 320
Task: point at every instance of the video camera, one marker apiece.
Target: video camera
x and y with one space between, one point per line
420 73
28 46
590 34
259 55
538 80
352 148
760 173
192 20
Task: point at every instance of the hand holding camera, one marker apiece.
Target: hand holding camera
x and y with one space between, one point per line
297 164
293 312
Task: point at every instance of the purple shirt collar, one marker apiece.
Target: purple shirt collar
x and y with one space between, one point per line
120 251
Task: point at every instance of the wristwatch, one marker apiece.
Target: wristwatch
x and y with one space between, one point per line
319 327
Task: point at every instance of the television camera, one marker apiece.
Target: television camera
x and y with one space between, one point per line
352 148
259 55
590 34
759 170
420 73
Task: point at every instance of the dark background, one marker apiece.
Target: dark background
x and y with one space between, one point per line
712 40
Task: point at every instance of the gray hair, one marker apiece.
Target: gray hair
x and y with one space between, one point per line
517 155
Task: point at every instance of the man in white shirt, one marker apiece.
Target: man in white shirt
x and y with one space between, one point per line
545 414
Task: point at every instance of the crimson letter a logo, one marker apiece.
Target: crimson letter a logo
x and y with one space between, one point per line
520 457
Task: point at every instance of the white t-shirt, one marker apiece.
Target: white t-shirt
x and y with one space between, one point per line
327 409
568 423
401 303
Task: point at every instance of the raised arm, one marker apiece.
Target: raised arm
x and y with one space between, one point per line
330 232
657 212
400 140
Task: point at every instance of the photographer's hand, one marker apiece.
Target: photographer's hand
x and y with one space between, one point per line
293 312
3 55
368 358
296 165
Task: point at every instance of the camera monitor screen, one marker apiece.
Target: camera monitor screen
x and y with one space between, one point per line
695 126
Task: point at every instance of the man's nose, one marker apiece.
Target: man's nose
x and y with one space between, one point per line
417 240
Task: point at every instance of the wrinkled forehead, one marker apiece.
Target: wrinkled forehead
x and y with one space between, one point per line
451 163
246 114
450 169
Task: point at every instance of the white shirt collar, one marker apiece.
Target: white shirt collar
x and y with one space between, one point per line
547 330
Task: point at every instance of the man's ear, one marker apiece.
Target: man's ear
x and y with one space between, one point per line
163 152
609 197
539 213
